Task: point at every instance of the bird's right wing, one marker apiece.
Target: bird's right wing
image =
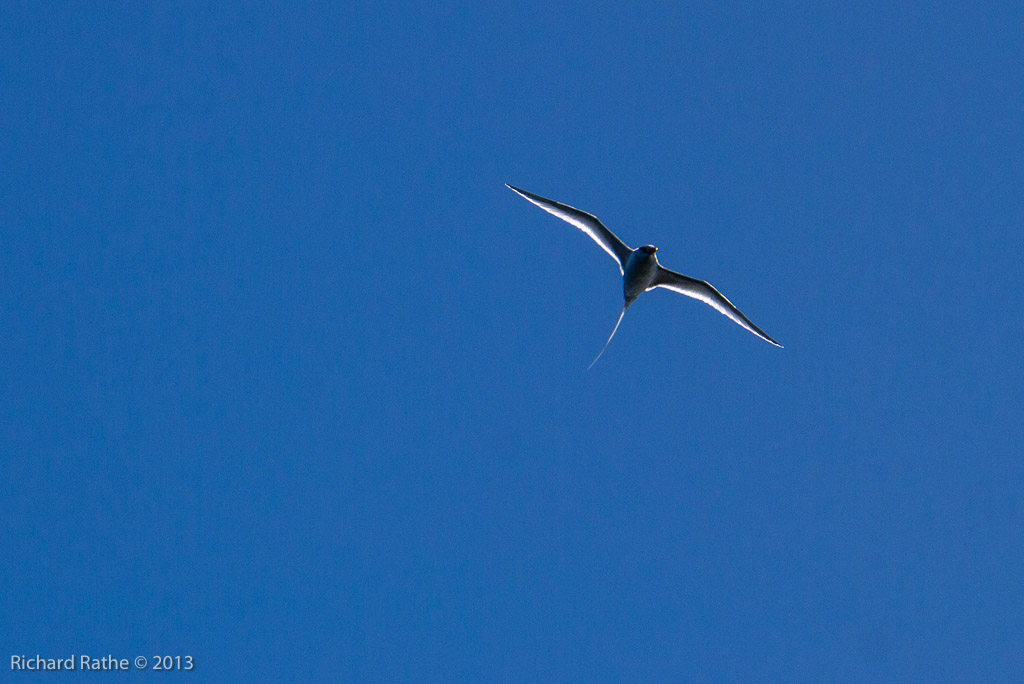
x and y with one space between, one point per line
589 224
703 291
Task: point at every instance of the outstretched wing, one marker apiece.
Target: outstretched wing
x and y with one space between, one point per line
698 289
585 222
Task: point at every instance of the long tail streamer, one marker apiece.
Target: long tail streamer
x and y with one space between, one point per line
626 306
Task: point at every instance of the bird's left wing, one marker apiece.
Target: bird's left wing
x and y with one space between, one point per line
699 289
588 223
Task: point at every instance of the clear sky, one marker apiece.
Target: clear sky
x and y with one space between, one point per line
291 383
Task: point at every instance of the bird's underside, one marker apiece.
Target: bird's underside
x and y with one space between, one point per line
640 269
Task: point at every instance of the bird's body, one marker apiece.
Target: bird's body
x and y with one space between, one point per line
639 272
640 268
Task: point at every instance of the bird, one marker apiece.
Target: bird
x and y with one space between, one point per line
640 269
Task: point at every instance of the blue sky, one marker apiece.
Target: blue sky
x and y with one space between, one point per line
294 385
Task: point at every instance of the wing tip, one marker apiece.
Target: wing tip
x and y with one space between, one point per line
764 336
768 338
522 193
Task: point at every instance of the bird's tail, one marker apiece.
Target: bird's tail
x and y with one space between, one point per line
624 307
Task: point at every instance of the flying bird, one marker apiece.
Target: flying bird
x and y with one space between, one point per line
640 269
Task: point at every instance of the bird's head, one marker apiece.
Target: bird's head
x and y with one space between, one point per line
648 249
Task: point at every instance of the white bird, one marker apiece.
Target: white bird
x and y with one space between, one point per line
640 269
